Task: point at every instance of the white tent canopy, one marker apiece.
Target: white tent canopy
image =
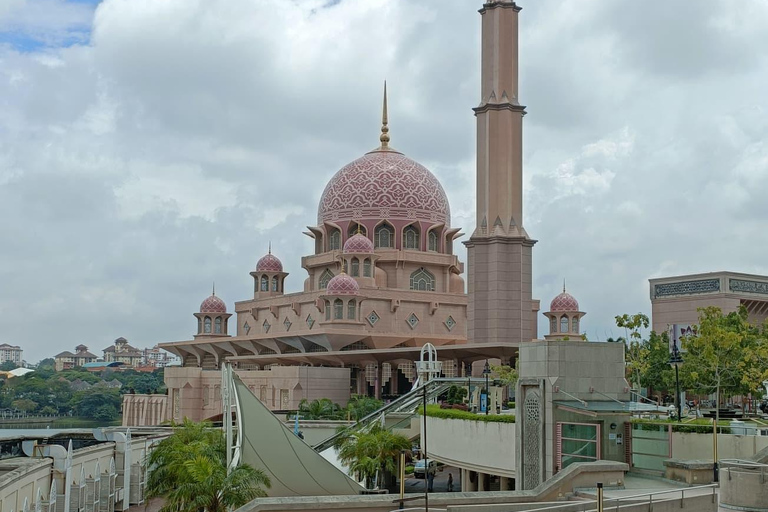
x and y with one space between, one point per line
293 467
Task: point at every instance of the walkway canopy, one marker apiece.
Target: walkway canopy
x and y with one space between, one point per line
293 467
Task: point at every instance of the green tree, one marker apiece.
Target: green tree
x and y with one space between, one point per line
723 354
320 409
98 403
48 362
371 453
505 374
24 404
7 366
360 406
636 353
188 469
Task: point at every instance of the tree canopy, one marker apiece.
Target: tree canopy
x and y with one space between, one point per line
189 470
371 452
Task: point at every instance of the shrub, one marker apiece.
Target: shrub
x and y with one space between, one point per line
434 411
698 426
408 470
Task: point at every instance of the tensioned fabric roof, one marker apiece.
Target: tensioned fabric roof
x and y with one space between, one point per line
293 467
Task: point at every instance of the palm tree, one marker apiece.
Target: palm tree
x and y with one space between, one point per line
371 452
188 469
360 406
320 409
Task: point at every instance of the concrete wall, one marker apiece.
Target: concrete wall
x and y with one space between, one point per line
20 479
474 445
700 446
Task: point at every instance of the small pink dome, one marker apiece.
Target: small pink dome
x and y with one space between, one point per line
342 284
213 304
358 243
269 263
565 302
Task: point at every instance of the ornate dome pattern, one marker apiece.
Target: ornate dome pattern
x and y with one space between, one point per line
358 243
565 302
384 185
213 304
342 284
269 263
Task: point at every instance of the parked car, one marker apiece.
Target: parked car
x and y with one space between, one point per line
418 468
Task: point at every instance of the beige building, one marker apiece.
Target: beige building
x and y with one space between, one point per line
676 300
11 353
67 360
122 352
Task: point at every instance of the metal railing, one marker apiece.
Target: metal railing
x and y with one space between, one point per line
616 504
728 466
409 403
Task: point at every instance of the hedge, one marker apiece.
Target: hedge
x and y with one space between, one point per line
434 411
698 426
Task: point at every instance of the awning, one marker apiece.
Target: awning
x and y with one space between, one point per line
293 467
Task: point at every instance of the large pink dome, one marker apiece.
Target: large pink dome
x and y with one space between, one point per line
358 243
342 284
565 302
384 185
213 304
269 263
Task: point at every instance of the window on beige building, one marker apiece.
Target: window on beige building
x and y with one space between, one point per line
563 323
384 235
423 280
334 240
411 237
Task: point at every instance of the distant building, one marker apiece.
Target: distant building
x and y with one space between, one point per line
122 352
676 300
10 353
156 357
67 360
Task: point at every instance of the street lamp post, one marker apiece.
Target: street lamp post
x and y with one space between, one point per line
468 369
676 359
487 372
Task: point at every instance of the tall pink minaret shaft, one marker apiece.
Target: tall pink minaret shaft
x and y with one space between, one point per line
501 309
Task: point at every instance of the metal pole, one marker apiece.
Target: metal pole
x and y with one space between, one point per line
599 497
426 459
677 390
487 395
402 479
714 446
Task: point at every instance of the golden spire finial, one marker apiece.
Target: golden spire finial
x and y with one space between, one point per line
213 290
358 229
270 247
384 138
563 285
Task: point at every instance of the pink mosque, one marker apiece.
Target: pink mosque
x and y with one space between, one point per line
383 279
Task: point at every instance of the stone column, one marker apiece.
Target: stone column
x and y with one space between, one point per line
465 483
481 482
503 483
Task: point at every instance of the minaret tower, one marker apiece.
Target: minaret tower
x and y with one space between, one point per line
501 309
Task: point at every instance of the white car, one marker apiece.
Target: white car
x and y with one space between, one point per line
418 468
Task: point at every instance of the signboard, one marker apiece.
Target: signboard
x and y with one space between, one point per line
676 334
483 402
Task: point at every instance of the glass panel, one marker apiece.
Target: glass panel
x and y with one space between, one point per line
338 309
581 448
355 267
351 310
573 431
367 268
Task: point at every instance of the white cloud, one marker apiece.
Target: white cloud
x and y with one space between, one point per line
181 137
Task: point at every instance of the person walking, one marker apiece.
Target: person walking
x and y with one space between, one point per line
450 482
430 479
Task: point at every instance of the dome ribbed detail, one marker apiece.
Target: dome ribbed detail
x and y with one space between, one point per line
269 263
342 284
213 304
358 243
565 302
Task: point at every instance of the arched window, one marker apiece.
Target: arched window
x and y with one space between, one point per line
575 324
338 309
327 310
274 284
351 306
384 235
326 276
553 326
355 268
563 323
217 324
334 240
207 325
432 236
367 267
354 227
264 283
411 237
422 279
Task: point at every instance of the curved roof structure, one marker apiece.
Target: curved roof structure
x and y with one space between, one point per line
293 467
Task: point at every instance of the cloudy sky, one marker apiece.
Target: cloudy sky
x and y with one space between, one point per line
151 147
